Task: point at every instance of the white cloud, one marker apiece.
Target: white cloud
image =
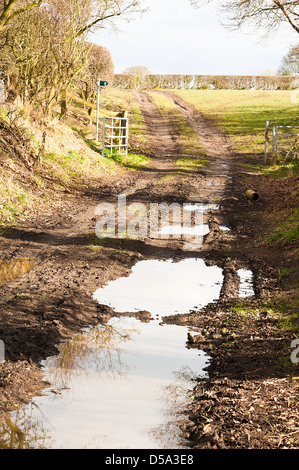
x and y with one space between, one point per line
176 38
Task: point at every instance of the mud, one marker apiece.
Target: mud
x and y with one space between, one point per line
247 401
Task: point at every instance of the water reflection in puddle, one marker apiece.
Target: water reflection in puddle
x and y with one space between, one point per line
246 288
201 207
124 384
163 287
127 380
182 230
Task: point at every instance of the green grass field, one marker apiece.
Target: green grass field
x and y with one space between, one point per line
243 113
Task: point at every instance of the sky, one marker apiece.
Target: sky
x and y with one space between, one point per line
175 38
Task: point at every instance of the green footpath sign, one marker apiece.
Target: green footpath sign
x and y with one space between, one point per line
103 83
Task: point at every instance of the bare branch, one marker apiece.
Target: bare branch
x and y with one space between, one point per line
7 14
267 14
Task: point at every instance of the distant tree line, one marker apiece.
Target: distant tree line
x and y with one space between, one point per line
201 82
44 48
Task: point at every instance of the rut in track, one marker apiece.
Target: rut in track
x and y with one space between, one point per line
166 148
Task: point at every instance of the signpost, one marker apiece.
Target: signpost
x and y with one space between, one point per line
101 83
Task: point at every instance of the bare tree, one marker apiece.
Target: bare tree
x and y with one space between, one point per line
99 65
38 58
43 50
290 62
268 14
92 14
137 75
97 14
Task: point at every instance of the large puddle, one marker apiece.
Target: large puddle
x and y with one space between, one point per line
164 287
124 385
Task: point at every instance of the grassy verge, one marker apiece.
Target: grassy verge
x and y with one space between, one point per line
71 160
118 100
130 160
288 230
15 198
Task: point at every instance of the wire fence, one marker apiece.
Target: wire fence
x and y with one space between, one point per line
281 140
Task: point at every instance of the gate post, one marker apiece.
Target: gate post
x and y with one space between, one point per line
266 141
273 139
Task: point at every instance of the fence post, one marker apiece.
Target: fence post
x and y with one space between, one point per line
266 141
123 126
127 136
274 139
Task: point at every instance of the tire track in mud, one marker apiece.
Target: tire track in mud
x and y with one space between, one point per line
217 147
215 178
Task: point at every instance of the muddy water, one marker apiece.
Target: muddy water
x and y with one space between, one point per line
123 384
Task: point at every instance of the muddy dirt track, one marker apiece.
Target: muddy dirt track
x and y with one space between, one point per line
246 402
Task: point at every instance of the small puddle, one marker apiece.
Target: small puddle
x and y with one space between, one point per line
10 270
182 230
196 230
125 384
201 207
246 288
